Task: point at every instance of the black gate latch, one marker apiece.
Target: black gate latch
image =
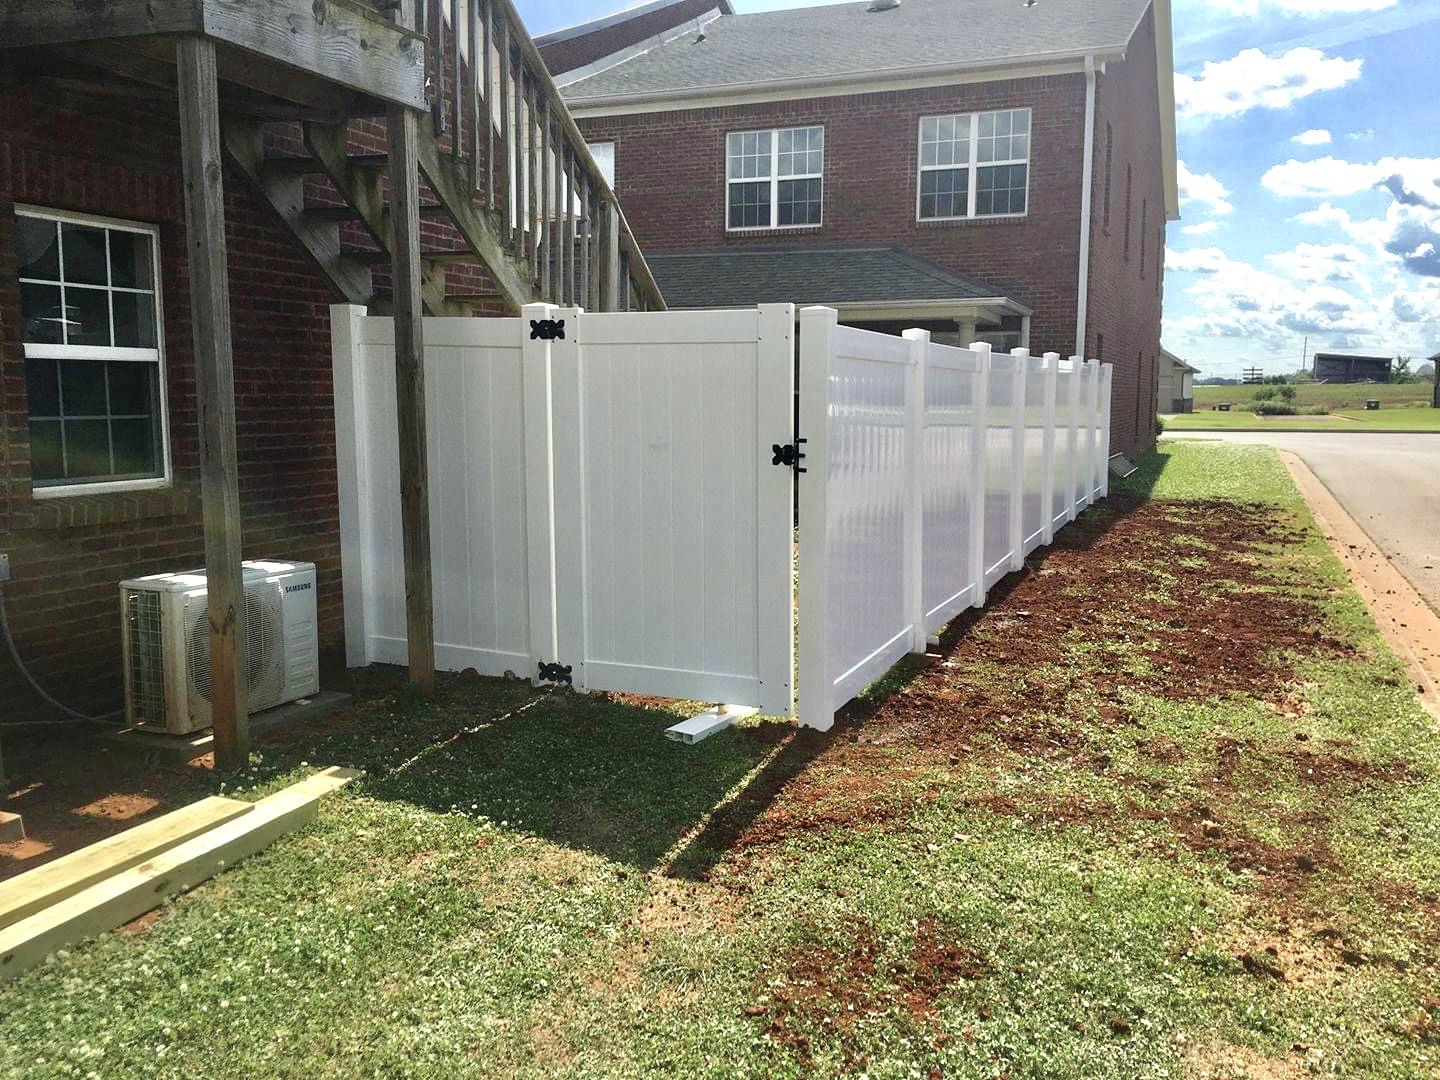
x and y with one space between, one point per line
555 673
790 455
547 329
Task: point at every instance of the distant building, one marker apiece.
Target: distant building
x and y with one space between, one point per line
1175 385
1340 368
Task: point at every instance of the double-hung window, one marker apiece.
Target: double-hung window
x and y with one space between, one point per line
773 179
973 165
90 316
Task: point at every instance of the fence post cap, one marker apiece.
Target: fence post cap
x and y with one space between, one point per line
1020 350
819 311
916 333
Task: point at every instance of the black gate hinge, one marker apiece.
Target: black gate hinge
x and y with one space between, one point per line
790 455
547 329
555 673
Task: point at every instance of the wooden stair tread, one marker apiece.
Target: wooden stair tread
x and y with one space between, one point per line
27 893
304 165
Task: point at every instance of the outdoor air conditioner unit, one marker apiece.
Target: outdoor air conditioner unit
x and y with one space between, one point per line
166 643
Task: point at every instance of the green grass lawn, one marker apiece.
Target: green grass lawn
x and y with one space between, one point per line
1332 395
1166 807
1382 419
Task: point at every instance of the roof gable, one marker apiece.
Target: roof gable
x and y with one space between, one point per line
850 42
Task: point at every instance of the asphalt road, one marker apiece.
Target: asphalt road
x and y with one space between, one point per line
1390 484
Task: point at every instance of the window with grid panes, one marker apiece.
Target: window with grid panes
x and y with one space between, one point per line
774 178
89 304
974 165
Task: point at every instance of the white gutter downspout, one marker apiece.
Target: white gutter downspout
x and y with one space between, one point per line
1082 291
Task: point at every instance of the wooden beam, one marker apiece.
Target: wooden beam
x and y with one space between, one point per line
610 270
410 395
332 39
214 386
56 21
478 228
118 898
24 894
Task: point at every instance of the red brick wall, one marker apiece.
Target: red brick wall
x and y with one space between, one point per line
571 53
670 175
1125 287
67 555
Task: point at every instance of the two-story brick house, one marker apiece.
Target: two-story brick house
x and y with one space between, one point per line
990 169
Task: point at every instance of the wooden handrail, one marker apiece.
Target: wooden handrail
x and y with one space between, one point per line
548 174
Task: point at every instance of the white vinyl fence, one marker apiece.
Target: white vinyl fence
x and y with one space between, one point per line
596 499
611 495
931 472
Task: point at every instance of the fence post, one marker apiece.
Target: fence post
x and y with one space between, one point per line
1073 439
567 486
1092 418
1018 436
817 347
1047 485
1106 372
978 475
353 474
775 488
915 478
539 488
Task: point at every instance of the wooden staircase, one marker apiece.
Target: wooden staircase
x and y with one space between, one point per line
513 210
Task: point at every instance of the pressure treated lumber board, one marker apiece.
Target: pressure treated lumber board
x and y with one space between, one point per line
130 893
27 893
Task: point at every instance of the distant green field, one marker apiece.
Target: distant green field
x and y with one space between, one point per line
1332 395
1383 419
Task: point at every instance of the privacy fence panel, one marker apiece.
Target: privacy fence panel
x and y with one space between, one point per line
948 464
476 456
931 472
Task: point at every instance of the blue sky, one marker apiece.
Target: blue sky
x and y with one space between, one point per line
1309 136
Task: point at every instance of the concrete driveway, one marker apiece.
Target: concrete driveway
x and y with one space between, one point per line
1390 484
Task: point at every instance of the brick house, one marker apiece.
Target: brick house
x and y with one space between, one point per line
909 167
102 452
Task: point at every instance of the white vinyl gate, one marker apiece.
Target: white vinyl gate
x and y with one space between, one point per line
611 496
602 499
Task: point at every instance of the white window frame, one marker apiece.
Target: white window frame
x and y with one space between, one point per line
102 352
775 179
973 166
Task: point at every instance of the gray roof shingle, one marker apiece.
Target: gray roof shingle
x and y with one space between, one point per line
846 40
812 274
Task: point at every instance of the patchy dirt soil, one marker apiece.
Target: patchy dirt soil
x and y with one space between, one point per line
829 991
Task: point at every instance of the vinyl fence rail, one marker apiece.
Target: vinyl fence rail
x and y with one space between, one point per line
931 471
613 494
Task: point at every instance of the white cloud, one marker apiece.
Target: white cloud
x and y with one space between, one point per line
1409 231
1308 8
1200 228
1204 189
1337 264
1313 137
1361 136
1250 80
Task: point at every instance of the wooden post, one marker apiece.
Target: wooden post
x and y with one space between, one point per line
610 283
215 389
410 395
